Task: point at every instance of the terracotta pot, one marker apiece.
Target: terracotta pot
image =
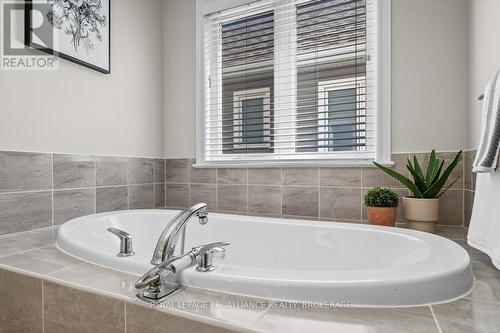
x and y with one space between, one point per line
421 214
382 216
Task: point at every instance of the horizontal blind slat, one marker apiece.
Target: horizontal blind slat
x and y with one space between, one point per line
289 80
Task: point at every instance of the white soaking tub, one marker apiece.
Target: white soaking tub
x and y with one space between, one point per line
293 260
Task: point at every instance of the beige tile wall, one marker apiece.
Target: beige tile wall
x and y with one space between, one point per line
20 314
40 190
333 194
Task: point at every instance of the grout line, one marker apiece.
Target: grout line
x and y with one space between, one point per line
95 185
361 177
22 252
154 187
261 316
282 193
463 189
125 316
257 184
142 184
213 184
128 187
165 182
247 190
43 307
110 186
361 206
52 191
189 185
302 186
463 208
81 263
319 193
217 188
27 191
264 185
481 300
361 187
76 154
25 232
435 319
74 189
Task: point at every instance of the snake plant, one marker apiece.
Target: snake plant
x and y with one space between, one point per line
430 184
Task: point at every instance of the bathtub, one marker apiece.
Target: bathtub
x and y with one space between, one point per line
291 260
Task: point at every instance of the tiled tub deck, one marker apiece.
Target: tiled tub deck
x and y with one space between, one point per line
43 290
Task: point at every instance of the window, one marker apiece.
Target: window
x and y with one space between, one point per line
293 82
341 110
251 111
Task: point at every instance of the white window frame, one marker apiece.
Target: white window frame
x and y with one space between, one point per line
243 95
324 87
379 63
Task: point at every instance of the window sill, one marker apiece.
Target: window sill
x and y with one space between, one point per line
291 164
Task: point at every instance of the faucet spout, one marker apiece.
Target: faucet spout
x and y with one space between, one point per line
168 239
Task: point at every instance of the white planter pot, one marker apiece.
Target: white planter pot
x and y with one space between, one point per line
421 214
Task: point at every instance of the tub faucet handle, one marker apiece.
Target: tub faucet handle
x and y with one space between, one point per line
207 253
126 249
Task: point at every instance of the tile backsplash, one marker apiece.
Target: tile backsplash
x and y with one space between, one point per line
39 190
313 193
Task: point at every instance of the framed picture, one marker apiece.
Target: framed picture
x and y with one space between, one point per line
75 30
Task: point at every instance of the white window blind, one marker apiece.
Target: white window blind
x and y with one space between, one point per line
290 80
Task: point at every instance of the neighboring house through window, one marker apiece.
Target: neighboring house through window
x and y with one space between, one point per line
341 106
252 122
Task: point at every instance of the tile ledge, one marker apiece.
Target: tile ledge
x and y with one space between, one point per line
131 299
313 164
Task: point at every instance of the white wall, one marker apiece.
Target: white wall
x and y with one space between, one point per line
146 107
484 58
429 82
180 78
429 76
77 110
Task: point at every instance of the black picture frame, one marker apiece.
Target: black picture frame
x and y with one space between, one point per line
28 41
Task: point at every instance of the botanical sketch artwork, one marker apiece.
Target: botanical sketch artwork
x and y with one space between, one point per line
75 30
80 20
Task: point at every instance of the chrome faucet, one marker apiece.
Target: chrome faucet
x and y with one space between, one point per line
168 239
160 281
126 249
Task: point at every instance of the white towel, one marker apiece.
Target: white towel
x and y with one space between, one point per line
489 144
484 230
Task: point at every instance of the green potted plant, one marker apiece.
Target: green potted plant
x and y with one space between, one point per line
381 205
421 210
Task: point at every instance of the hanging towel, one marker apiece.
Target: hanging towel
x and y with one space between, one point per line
484 229
489 144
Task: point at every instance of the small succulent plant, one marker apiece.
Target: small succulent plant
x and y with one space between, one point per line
381 197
